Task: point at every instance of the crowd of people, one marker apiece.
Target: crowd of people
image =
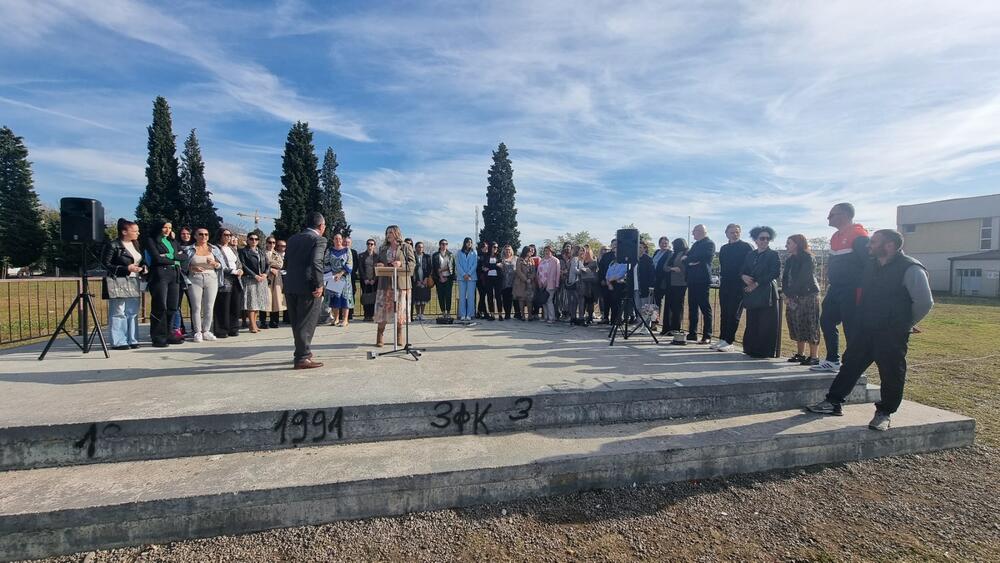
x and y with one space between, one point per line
257 287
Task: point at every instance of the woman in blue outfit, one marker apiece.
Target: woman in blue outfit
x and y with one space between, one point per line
466 263
339 266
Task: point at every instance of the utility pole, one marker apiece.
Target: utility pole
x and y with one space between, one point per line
475 235
256 218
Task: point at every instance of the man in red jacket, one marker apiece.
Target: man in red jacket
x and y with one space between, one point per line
848 257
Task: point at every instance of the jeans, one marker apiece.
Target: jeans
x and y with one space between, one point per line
124 314
550 306
466 298
201 296
839 306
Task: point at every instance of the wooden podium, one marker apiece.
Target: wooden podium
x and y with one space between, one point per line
394 273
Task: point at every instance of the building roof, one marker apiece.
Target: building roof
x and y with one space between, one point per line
988 255
976 207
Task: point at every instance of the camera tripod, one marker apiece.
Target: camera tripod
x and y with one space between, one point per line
621 324
84 303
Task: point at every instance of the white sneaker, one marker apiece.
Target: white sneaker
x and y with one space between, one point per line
727 348
207 336
827 365
197 337
719 344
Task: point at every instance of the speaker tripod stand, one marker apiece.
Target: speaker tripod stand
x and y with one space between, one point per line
84 304
621 324
406 348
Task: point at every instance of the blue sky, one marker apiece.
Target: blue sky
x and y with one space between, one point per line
637 112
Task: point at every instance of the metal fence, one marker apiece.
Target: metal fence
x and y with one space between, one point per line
31 308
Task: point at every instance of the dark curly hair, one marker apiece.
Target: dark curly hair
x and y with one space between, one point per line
756 232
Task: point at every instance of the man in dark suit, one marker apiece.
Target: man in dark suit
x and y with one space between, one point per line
304 286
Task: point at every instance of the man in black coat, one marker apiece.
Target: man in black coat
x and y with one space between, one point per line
304 286
698 271
731 257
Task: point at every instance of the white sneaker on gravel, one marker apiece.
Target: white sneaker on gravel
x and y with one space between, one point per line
207 336
727 348
719 344
827 365
880 422
197 337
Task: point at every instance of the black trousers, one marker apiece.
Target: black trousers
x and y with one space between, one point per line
164 290
675 306
698 301
303 310
730 297
369 308
227 311
887 350
444 293
839 306
487 295
506 299
607 299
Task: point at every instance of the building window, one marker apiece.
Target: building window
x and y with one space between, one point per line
986 234
911 228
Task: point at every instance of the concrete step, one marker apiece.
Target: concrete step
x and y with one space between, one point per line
51 511
24 444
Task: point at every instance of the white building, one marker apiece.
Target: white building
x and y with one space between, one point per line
938 231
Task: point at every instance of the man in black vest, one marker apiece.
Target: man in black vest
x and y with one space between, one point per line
303 281
895 296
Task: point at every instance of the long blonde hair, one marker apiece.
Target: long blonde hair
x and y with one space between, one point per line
393 231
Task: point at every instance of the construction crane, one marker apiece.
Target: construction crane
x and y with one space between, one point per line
256 218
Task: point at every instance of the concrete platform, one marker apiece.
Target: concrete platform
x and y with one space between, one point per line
239 394
62 510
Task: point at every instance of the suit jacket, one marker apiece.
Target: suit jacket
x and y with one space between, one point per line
304 256
699 262
646 275
407 263
156 254
355 262
661 271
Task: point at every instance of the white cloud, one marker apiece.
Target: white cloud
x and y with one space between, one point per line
115 168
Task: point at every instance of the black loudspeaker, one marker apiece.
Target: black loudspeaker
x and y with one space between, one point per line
628 246
82 220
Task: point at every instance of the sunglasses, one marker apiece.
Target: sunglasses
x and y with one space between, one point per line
202 234
227 234
253 238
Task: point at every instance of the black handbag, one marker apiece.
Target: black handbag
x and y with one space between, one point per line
762 297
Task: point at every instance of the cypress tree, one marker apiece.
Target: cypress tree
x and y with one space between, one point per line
162 197
22 234
198 209
330 204
300 195
499 213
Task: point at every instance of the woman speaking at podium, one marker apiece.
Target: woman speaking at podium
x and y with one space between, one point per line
393 253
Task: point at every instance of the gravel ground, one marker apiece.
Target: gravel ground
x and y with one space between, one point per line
941 506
